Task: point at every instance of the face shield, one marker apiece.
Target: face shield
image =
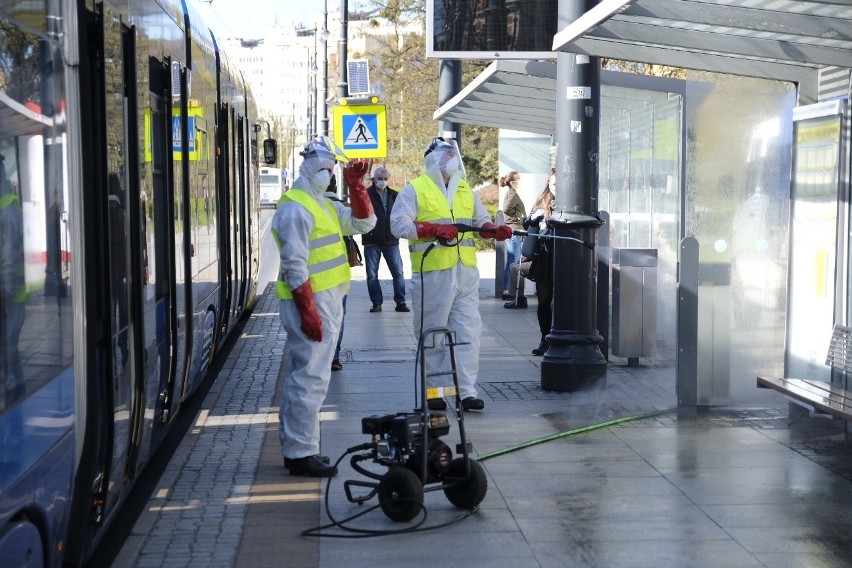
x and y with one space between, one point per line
443 161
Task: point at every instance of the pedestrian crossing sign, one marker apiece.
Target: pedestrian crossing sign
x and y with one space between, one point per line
360 130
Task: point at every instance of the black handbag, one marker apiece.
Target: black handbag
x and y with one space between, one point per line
353 253
530 242
541 266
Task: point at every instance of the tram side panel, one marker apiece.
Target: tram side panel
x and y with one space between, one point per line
36 258
160 232
200 152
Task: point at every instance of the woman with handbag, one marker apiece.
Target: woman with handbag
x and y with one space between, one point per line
540 268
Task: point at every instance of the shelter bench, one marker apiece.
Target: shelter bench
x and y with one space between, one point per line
821 396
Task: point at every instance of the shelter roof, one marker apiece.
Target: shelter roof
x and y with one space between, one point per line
788 40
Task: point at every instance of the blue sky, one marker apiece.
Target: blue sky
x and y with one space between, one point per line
243 18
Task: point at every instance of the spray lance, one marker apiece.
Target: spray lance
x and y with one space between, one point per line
462 228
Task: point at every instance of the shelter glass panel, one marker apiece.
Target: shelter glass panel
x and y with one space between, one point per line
639 181
737 207
815 197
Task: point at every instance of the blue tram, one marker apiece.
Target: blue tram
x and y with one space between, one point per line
129 249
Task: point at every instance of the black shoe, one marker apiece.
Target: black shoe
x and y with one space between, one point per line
311 466
437 404
508 296
541 349
402 308
473 403
336 365
323 459
376 308
519 304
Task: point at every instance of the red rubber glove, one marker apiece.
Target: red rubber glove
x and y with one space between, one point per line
359 201
426 230
311 322
500 232
354 172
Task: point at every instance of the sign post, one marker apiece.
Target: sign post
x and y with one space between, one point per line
360 130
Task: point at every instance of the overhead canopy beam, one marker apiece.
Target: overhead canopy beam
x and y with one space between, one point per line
17 119
787 40
519 95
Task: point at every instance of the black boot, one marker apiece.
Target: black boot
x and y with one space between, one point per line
311 466
473 403
542 348
323 459
519 304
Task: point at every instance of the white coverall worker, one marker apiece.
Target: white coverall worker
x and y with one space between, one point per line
445 290
314 277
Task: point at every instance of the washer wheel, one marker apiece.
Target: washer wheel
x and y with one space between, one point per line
400 494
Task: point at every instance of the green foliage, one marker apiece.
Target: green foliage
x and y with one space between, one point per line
409 83
643 68
20 74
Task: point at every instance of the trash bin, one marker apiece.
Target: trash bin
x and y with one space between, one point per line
634 303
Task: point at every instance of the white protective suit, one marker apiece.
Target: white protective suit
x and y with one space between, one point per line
444 298
309 363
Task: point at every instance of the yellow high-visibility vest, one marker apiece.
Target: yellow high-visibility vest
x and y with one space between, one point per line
432 207
21 294
327 262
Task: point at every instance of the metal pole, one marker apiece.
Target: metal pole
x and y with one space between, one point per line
574 360
315 124
293 145
448 87
342 80
310 107
324 92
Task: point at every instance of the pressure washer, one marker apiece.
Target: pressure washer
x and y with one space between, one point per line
409 445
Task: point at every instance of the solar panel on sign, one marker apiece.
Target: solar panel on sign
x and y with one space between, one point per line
359 77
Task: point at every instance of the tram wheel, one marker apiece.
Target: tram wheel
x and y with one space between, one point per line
400 494
466 493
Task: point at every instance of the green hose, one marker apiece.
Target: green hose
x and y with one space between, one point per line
558 435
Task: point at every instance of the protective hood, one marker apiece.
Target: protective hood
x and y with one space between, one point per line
443 157
319 159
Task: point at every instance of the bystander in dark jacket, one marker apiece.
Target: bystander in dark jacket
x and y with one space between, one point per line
382 204
380 242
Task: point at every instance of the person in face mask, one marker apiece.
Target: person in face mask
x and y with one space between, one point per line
445 282
312 282
382 242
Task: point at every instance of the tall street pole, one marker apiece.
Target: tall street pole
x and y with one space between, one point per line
309 128
342 81
323 113
574 360
448 86
315 125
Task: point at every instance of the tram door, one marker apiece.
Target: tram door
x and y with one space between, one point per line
241 226
160 310
233 212
226 218
817 288
117 50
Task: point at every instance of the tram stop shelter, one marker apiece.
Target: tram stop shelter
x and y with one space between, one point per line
737 173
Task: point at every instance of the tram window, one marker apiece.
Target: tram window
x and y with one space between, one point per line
35 256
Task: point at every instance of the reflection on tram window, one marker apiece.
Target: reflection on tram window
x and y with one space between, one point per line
35 257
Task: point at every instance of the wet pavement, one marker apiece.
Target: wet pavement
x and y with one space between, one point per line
605 478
